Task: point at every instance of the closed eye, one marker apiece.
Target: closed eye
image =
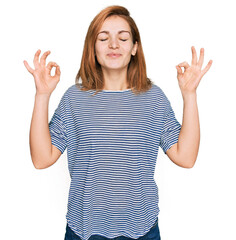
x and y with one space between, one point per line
106 39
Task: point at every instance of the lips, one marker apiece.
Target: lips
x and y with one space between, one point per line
113 55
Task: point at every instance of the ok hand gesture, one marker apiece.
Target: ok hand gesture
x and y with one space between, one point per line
189 80
44 82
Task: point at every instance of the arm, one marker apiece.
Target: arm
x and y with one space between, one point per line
184 152
43 153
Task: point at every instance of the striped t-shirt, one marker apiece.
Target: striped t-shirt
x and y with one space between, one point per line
112 141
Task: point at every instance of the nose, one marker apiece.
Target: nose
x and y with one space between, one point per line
113 43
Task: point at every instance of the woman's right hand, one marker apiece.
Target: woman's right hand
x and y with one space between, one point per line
44 82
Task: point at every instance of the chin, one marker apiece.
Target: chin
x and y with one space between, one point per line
115 67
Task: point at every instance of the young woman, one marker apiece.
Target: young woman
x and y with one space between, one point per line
112 122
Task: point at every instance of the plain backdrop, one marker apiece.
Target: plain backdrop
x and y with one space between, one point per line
196 203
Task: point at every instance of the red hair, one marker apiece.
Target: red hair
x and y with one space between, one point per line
90 70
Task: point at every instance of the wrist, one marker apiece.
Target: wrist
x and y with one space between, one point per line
42 96
189 95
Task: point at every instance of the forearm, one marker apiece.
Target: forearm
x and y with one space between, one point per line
40 139
189 137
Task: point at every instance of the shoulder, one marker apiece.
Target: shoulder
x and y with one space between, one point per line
72 89
71 92
159 93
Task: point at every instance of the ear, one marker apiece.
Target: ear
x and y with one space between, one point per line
135 47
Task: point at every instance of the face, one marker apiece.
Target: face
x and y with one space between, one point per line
114 45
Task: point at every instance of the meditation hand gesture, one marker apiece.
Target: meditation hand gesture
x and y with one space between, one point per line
45 83
189 80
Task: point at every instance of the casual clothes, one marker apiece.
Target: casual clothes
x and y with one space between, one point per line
153 234
112 142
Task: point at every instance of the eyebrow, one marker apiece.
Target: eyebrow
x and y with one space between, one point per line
107 32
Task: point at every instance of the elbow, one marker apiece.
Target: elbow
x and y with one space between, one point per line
190 163
184 165
189 166
35 160
38 163
185 162
38 167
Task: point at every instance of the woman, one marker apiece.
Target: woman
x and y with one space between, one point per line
112 124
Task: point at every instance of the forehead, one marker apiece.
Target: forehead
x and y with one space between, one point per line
115 24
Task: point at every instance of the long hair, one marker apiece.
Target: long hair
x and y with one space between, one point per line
90 70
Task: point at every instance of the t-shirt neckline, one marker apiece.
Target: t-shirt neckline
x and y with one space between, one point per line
116 90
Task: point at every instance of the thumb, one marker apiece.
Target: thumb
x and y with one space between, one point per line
58 71
50 66
179 70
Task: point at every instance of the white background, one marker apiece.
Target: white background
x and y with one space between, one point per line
196 203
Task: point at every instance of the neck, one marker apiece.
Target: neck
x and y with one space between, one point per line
115 79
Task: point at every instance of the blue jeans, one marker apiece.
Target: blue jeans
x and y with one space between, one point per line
153 234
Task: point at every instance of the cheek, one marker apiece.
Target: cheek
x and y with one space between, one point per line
128 49
96 49
99 49
99 54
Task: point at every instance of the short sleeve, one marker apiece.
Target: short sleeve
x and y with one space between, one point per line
57 128
171 129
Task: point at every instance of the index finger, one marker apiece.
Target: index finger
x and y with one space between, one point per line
36 58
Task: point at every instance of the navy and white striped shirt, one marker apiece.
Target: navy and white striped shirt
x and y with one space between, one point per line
112 142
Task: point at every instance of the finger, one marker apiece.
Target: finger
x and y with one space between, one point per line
184 64
50 66
201 58
36 58
194 56
28 67
179 70
58 71
207 67
43 58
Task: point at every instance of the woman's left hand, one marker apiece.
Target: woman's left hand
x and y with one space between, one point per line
190 79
